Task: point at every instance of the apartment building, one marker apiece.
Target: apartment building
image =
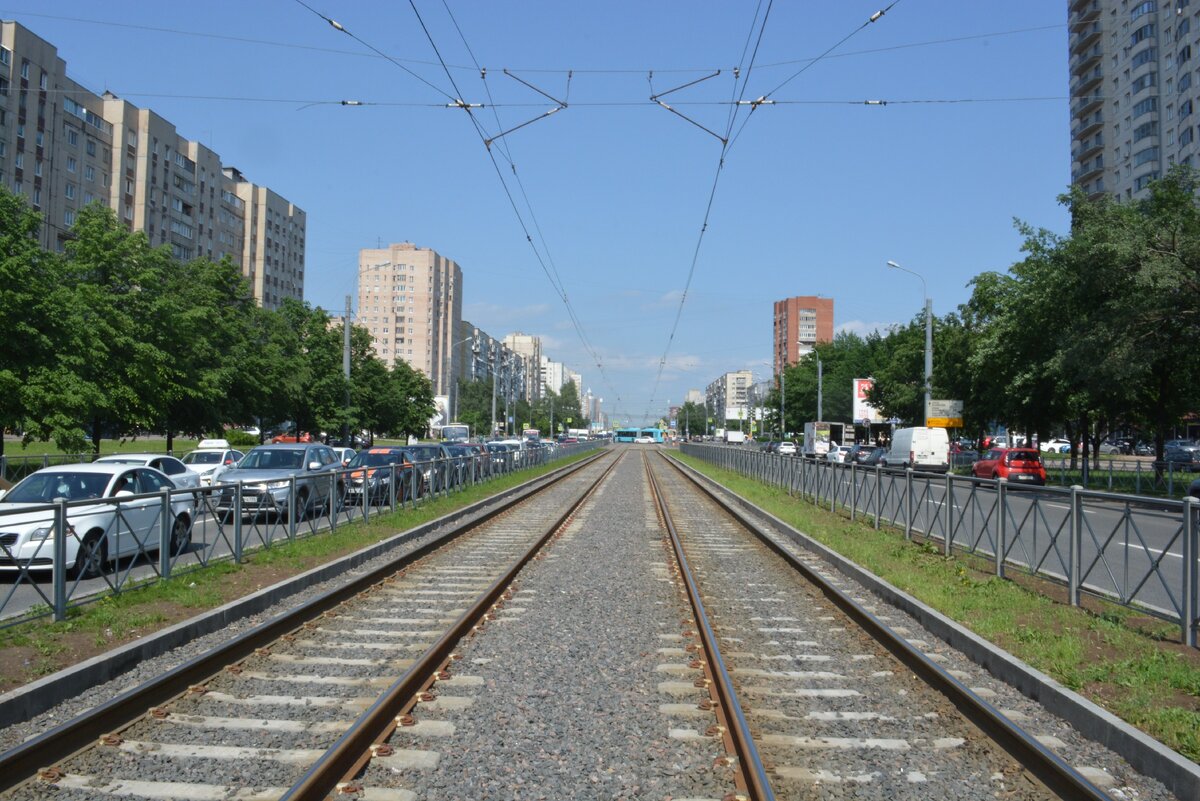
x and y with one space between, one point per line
529 348
728 398
1135 92
63 146
799 324
410 299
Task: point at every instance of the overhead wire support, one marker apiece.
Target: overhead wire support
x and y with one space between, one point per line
487 141
683 116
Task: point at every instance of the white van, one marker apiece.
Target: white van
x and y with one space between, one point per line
923 449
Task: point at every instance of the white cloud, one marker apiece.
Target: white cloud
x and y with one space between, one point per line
863 328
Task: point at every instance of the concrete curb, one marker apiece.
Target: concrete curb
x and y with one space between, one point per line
1145 754
30 700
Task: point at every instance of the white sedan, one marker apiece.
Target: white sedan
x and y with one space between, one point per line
106 518
180 474
643 441
1055 446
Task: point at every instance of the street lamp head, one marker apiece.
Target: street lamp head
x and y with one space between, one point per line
893 264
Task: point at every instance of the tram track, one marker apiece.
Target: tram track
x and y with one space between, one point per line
275 697
835 696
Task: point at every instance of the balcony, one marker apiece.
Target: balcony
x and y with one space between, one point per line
1084 38
1086 105
1087 126
1087 83
1082 6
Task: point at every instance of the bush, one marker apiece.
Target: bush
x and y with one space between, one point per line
240 439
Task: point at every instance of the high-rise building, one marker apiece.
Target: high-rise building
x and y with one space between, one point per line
410 299
529 348
1134 90
728 398
63 146
800 323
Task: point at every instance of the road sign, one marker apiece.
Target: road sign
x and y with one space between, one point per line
945 413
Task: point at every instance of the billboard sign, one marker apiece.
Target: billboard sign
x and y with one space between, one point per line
441 412
864 411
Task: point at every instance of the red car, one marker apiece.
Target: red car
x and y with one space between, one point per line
282 438
1018 465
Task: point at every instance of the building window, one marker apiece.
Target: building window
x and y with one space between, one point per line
71 164
37 196
69 218
20 160
1144 82
1185 136
37 167
69 190
1141 34
1185 54
91 147
5 55
1143 8
42 80
89 173
1145 106
1185 108
25 68
1143 57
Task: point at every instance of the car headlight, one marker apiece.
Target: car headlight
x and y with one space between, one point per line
41 533
274 485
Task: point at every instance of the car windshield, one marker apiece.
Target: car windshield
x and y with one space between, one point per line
122 459
203 457
290 459
426 452
376 457
46 487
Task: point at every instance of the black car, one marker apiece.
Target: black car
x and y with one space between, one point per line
435 463
870 456
1182 455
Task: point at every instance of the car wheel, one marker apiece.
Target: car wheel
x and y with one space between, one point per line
181 534
91 557
302 505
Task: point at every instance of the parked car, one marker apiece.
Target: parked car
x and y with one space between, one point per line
292 436
345 455
211 459
434 463
1018 465
1143 449
1109 447
1182 454
371 472
179 473
265 474
1056 445
101 532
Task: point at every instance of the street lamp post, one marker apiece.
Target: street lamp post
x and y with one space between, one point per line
928 334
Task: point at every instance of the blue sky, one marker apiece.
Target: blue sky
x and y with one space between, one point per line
816 194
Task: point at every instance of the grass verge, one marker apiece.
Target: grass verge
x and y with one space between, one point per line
40 647
1107 653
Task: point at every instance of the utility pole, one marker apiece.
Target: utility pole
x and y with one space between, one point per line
495 382
782 399
820 378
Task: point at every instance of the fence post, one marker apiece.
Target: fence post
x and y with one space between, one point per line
391 488
1002 524
237 523
908 503
366 494
878 495
1190 571
60 560
853 492
164 535
4 467
948 534
1076 545
1137 469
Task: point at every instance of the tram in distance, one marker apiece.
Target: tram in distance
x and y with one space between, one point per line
633 434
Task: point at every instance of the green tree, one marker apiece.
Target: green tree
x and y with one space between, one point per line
28 278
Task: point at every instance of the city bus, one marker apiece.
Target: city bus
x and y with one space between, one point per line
626 434
655 434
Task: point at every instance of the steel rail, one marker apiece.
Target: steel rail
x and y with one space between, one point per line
751 774
23 762
1058 777
355 748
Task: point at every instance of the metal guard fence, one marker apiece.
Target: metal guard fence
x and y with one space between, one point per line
1136 551
150 537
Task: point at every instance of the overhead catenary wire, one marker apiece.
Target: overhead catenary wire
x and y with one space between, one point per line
728 143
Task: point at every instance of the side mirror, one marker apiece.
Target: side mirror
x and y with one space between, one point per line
123 494
3 492
314 465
